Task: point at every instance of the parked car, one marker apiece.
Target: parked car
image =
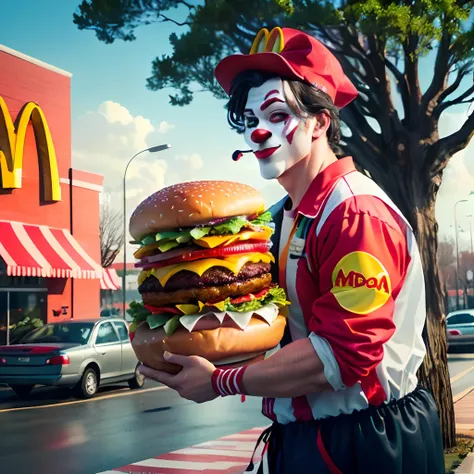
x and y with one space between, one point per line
109 312
460 328
82 355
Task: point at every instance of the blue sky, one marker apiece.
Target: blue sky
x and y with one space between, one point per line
113 114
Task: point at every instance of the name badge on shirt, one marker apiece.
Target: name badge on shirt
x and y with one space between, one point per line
296 249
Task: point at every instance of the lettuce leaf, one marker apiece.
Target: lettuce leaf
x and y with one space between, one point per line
263 219
157 320
172 324
138 312
275 295
167 245
169 240
200 232
232 226
167 235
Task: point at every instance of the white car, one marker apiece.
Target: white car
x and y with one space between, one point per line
80 354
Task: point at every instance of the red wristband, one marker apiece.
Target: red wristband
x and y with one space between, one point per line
228 381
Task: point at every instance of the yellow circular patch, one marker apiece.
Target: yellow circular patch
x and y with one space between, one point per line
360 283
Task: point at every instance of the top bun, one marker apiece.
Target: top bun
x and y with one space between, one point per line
194 203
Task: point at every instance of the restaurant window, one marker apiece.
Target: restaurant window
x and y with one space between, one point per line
23 305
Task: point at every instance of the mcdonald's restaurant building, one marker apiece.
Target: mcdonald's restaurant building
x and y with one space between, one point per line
49 212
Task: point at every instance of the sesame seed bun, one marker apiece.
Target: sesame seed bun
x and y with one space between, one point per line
194 203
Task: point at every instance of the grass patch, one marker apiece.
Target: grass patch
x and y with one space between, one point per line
453 457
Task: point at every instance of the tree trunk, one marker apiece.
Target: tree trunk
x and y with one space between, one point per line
433 373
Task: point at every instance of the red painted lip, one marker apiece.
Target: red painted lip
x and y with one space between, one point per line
263 154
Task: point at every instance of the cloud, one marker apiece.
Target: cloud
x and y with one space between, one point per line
165 127
194 161
104 140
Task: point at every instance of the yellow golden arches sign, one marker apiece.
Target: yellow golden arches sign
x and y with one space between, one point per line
268 42
12 141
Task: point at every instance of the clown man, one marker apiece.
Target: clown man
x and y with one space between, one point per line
342 392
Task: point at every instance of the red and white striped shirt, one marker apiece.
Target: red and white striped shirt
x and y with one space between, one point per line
356 286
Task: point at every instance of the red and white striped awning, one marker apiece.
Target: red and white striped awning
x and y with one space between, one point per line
41 251
110 280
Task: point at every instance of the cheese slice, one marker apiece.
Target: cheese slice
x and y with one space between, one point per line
145 251
233 263
213 241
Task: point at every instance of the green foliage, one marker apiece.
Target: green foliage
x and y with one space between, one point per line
286 5
424 19
214 29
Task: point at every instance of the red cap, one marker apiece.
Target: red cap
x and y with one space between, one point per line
291 54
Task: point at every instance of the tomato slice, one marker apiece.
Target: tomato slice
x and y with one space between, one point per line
249 297
248 247
162 309
261 293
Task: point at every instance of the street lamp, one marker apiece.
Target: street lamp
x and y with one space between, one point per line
153 149
457 252
470 230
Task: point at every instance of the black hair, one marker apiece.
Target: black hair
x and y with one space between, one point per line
310 101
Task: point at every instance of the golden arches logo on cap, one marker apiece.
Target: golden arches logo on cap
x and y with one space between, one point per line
360 283
268 42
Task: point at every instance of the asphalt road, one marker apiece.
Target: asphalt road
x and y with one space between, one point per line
52 433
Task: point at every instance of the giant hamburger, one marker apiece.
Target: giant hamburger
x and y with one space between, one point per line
205 278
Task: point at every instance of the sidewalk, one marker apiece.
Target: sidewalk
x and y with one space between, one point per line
464 412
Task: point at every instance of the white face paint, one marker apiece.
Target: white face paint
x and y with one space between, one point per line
277 137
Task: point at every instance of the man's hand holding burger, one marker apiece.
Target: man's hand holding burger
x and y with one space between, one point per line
192 383
293 371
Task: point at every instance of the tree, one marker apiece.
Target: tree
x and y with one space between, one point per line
447 267
447 263
446 255
379 43
111 234
466 263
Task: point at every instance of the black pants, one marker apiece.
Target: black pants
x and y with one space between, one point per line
401 437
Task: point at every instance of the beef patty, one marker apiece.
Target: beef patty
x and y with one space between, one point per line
208 294
215 276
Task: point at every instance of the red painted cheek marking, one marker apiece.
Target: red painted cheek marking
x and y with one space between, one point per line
290 136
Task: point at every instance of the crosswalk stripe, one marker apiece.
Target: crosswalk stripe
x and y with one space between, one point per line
213 452
238 445
227 455
189 465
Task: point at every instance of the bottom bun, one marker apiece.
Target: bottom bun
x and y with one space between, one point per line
212 344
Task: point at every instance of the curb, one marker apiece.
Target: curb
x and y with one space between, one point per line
464 393
467 465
